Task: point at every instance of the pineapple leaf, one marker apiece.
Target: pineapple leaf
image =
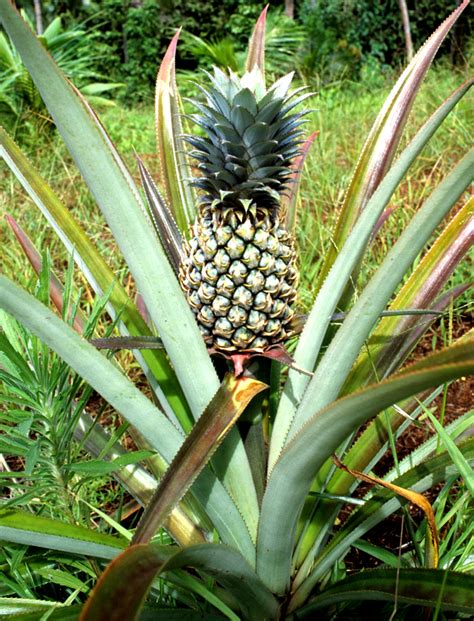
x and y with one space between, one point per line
129 577
98 274
324 430
256 49
206 436
165 225
429 588
328 296
330 374
394 337
171 149
137 409
383 140
420 478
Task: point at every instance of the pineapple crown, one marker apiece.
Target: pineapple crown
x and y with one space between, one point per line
251 138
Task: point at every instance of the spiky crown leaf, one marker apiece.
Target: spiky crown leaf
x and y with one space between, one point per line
251 139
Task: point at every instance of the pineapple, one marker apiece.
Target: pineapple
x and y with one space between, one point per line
239 271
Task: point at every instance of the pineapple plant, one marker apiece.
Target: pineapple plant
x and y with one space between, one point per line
239 271
250 507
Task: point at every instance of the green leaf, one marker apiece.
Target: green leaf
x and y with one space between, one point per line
98 274
390 559
289 199
425 587
104 377
49 610
57 576
384 138
97 467
119 200
393 338
463 467
344 348
219 417
121 205
34 530
129 577
299 462
420 478
175 173
326 301
136 480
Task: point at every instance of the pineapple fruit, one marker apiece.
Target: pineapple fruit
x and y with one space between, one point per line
239 268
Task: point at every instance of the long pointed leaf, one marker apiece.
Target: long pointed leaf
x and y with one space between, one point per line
34 530
124 213
218 418
391 341
423 587
256 49
136 480
326 301
55 287
99 275
104 377
289 199
128 578
420 478
175 173
162 219
119 201
295 469
381 145
345 346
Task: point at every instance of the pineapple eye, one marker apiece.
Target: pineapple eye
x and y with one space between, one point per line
194 277
237 316
206 316
206 292
255 281
246 230
267 263
260 342
194 300
223 344
223 234
284 251
222 260
272 284
243 297
273 327
223 327
209 247
285 290
210 273
278 309
272 244
280 267
243 338
225 286
256 321
251 256
236 248
260 239
221 305
263 302
238 272
198 258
